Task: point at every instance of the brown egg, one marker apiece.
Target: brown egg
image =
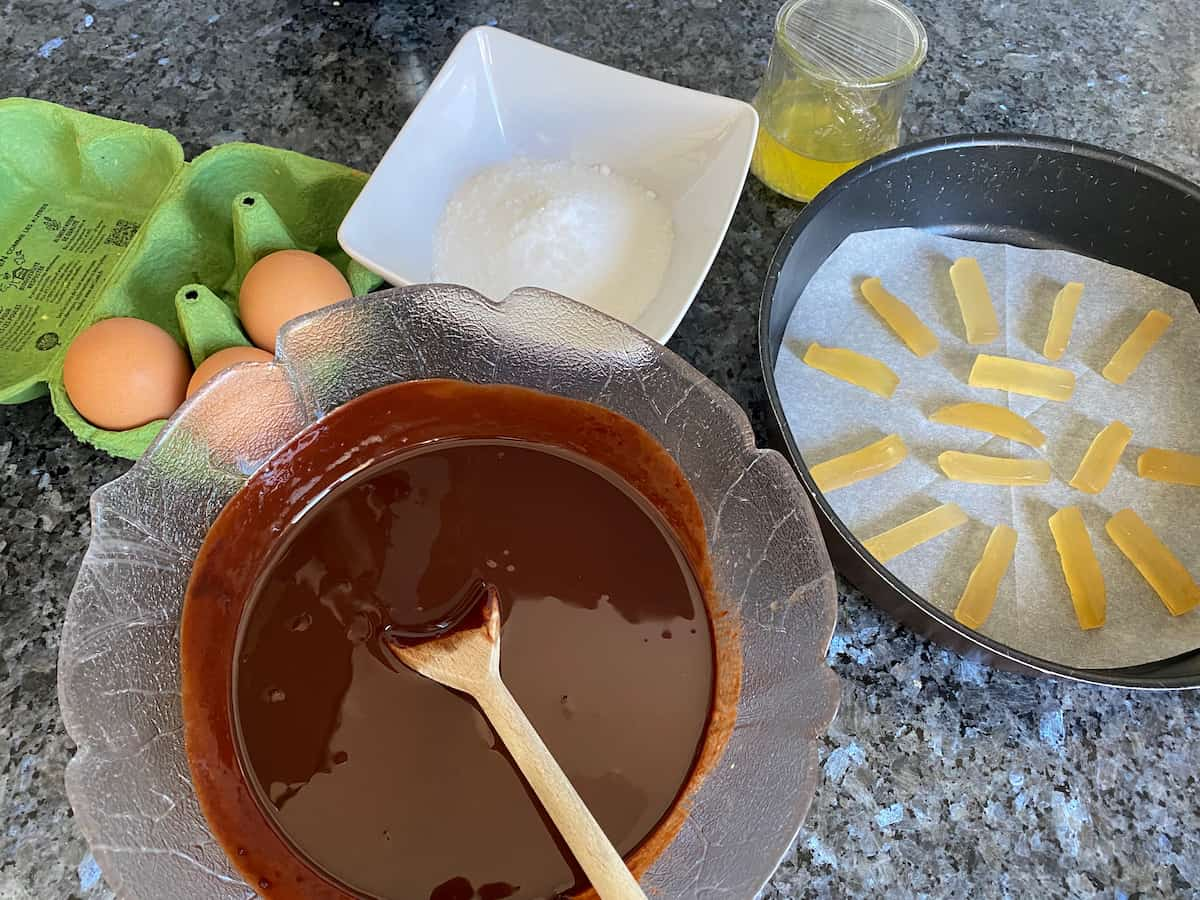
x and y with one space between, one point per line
222 360
122 373
283 285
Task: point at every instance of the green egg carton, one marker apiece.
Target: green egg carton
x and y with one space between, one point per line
101 218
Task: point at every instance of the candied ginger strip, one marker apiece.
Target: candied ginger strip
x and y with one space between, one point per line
925 527
1129 355
1170 465
1062 320
855 368
992 419
1080 567
974 301
899 317
979 469
979 597
1020 377
1158 565
866 462
1101 458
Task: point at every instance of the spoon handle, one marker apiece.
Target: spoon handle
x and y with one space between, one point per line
590 845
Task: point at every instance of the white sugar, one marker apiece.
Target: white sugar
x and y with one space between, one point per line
583 231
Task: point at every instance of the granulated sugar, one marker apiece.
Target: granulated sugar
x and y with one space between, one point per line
581 230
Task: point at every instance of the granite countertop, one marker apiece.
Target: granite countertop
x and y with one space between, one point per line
940 777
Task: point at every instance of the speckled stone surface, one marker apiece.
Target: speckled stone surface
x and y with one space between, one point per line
941 778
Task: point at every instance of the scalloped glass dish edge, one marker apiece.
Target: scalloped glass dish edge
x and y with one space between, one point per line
129 782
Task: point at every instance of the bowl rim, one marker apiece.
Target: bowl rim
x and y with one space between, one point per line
945 628
477 39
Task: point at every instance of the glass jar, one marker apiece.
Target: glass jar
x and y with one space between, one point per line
834 89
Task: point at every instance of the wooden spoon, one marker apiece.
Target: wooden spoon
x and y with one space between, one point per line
468 660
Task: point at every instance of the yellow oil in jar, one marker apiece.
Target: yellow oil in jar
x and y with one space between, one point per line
805 142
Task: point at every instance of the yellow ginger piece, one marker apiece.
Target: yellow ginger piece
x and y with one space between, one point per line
979 469
863 371
899 317
1129 355
1170 465
992 419
1101 458
979 597
1080 566
1158 565
974 301
925 527
1020 377
1062 320
866 462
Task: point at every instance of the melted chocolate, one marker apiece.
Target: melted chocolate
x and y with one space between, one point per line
329 770
604 643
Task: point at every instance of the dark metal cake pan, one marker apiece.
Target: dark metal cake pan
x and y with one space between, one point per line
1022 190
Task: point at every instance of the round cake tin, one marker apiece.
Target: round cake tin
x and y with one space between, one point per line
1022 190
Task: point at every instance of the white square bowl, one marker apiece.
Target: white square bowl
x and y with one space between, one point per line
500 96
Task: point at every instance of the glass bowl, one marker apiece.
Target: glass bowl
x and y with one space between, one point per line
119 680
